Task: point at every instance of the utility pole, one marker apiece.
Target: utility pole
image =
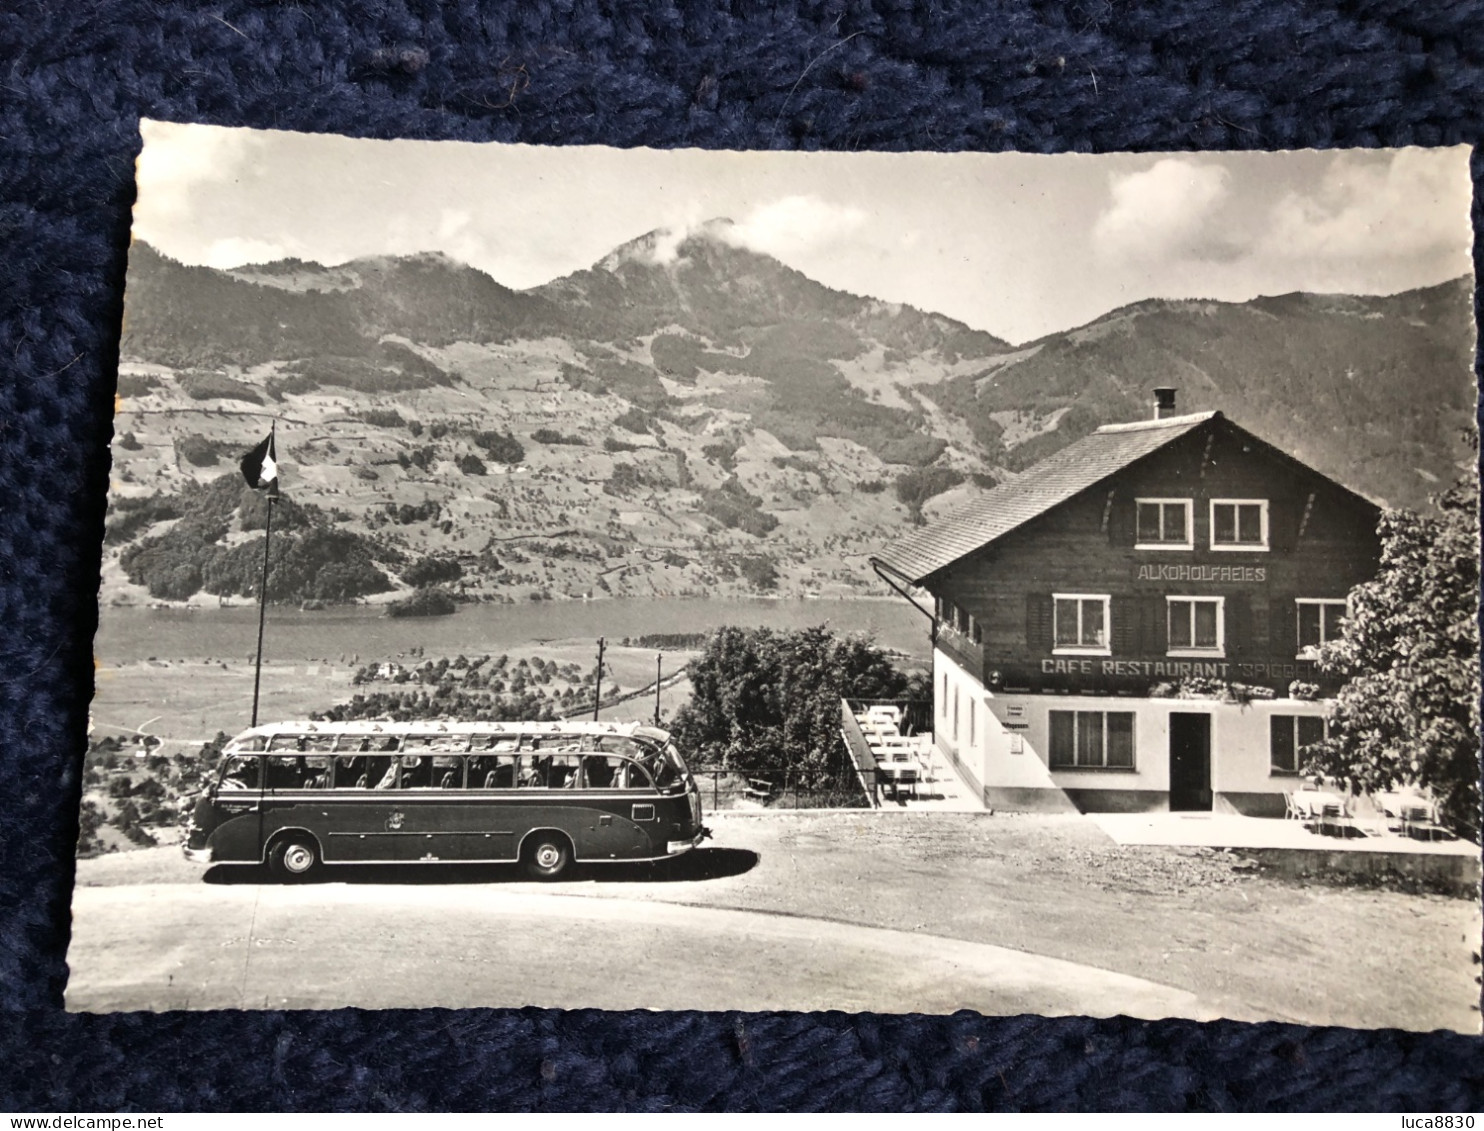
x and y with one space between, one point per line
598 682
659 659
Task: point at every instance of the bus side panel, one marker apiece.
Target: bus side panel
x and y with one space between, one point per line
458 829
606 829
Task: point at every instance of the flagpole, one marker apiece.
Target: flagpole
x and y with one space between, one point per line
257 674
271 498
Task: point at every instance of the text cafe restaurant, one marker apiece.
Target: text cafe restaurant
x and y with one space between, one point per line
1131 624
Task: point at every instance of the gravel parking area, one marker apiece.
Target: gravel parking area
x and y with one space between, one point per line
1201 920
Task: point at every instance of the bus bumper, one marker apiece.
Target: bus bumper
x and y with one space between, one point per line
196 855
676 847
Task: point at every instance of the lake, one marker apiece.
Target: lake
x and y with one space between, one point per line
365 632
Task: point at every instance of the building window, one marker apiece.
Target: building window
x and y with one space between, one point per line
971 722
1288 735
1164 524
1196 627
943 699
1239 524
1081 623
1318 623
1092 740
955 712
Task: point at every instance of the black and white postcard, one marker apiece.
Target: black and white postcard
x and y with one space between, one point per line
905 582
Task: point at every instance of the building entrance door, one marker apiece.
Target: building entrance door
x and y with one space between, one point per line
1190 761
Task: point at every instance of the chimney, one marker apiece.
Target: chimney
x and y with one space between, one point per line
1164 403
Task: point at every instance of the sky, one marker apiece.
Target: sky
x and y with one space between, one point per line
1019 245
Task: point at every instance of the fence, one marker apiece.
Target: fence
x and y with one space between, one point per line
731 789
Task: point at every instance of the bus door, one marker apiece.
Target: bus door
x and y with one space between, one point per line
238 818
607 828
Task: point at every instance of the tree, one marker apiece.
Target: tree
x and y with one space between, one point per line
1409 713
768 701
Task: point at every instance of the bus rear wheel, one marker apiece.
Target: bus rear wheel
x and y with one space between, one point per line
294 859
547 856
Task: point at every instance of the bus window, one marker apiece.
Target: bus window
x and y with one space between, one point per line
240 772
246 745
661 768
448 772
351 773
319 743
417 771
617 744
381 772
598 771
562 770
317 767
286 742
631 775
533 772
492 771
287 771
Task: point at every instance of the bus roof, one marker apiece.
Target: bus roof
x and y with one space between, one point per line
455 727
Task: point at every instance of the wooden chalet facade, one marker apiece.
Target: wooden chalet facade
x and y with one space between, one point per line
1131 624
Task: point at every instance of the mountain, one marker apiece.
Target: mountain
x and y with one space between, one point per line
708 284
1373 391
688 416
182 315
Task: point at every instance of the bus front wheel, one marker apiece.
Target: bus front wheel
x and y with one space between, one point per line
547 856
293 859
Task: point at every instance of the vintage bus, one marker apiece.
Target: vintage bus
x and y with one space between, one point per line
304 794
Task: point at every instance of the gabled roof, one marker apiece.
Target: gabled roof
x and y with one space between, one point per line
1047 484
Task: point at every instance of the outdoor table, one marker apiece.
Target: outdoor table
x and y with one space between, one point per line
898 773
1407 806
1313 802
899 749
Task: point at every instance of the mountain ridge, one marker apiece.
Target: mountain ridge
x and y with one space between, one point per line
708 419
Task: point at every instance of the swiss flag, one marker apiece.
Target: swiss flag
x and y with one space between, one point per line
260 466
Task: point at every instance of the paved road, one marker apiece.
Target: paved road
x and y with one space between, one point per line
171 946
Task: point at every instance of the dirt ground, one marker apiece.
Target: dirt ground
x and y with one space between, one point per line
1199 920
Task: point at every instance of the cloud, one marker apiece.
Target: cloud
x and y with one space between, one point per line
452 221
234 251
178 163
796 224
1416 204
1163 212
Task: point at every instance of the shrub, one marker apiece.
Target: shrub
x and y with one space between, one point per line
501 447
423 603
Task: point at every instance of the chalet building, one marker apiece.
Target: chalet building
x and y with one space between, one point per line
1132 623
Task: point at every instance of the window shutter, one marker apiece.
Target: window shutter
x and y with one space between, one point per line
1125 614
1038 622
1238 625
1282 626
1152 632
